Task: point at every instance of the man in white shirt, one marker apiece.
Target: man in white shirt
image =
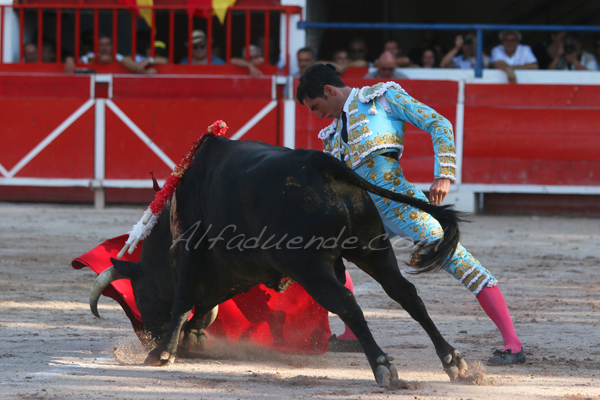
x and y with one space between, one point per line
511 55
105 53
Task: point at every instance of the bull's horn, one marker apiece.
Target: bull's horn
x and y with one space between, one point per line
210 317
102 281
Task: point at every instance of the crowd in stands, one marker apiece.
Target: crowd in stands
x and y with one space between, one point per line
142 62
562 51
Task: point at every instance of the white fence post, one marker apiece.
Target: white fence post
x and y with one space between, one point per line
9 33
289 115
462 198
99 153
459 129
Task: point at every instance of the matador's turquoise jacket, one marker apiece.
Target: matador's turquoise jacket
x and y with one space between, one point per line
377 117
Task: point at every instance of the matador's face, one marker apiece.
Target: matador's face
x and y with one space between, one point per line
329 106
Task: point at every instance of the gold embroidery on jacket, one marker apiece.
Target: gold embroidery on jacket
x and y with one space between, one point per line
356 118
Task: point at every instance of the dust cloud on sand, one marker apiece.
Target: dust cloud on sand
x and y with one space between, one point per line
51 346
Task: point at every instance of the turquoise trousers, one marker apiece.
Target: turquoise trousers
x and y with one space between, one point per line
403 222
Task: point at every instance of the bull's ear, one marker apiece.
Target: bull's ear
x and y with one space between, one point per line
128 268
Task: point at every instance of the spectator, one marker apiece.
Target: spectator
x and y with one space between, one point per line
393 47
586 59
428 59
200 55
428 41
358 53
464 54
161 55
105 52
256 56
306 58
547 52
200 51
48 53
87 42
570 55
386 68
273 55
143 63
597 52
511 55
69 64
30 53
340 60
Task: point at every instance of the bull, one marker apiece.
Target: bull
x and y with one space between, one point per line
297 198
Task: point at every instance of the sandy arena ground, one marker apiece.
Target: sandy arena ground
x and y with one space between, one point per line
51 346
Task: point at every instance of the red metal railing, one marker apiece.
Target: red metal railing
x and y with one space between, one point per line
286 11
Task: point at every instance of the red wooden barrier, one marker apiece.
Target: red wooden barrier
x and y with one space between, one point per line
513 134
173 112
32 108
176 111
532 134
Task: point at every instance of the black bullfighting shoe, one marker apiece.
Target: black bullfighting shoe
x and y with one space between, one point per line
506 358
344 346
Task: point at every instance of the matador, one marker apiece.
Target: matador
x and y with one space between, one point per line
367 133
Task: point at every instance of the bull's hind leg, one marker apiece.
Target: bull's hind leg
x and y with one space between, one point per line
321 283
383 267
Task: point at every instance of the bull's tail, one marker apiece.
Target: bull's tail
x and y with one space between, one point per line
431 257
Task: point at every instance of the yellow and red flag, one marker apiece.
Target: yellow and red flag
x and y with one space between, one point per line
199 8
202 8
145 13
220 8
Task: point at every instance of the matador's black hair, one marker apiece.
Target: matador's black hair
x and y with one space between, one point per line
313 81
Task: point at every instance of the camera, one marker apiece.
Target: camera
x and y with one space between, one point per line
569 47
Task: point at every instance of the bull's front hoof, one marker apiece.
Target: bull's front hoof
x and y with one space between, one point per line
166 358
153 359
455 366
385 376
159 359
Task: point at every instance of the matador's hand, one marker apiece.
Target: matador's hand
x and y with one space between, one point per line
439 190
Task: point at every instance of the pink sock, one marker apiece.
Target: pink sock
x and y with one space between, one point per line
494 305
348 335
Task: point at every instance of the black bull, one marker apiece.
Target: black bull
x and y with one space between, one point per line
232 191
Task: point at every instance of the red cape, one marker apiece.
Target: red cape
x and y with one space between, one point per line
256 316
